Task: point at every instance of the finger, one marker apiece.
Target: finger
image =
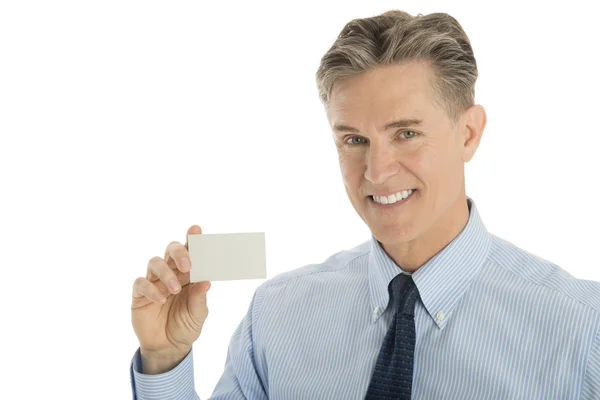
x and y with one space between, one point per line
176 254
143 288
177 257
194 230
184 277
165 274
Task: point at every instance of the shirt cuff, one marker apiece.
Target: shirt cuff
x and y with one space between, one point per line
177 383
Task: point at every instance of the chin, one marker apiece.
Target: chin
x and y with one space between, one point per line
391 234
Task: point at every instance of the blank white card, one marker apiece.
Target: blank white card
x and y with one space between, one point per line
227 256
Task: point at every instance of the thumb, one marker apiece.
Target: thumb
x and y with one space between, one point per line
197 300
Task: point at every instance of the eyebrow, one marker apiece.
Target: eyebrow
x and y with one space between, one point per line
401 123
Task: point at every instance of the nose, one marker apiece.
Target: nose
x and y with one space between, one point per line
381 163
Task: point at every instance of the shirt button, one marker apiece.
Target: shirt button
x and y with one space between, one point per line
440 316
375 311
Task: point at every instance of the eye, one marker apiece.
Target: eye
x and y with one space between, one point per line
349 140
415 133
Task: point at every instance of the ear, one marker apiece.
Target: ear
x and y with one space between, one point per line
476 119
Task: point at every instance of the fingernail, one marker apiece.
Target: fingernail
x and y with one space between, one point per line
185 263
174 285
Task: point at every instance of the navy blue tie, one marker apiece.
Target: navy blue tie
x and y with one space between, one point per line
392 378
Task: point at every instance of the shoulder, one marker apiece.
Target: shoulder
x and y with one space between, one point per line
535 270
306 274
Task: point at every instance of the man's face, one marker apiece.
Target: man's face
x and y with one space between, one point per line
428 156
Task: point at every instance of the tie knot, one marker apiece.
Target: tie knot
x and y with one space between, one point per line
404 292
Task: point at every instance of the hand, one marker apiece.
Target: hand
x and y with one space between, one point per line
167 320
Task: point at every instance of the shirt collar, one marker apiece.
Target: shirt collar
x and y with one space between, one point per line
443 279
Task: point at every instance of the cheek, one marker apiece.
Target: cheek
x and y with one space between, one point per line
351 175
430 160
416 163
439 168
348 167
426 166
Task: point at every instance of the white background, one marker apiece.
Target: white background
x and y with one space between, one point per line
125 122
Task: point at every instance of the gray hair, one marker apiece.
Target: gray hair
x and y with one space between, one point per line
396 37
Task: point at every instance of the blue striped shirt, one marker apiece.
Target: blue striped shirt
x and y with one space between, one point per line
493 322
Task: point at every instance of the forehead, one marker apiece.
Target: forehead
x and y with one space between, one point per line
382 93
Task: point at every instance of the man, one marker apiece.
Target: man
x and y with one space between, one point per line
432 306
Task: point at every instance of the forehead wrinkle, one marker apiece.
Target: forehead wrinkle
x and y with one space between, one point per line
380 119
351 104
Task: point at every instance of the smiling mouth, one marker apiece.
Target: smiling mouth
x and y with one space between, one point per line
391 206
370 197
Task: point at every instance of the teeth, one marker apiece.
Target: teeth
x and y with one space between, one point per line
391 199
